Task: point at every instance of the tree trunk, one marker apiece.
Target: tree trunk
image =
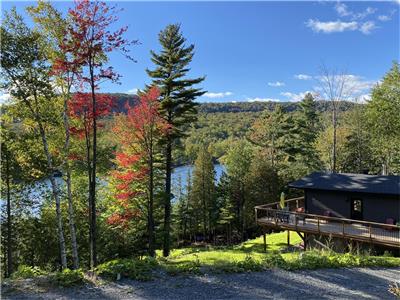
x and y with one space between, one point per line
334 121
55 190
150 208
92 190
71 216
167 204
9 229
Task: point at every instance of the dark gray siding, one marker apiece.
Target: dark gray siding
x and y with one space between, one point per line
376 207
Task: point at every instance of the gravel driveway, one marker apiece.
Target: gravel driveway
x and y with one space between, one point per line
276 284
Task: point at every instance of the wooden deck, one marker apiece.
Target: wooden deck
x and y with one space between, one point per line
376 233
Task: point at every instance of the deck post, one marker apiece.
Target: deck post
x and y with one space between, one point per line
288 237
265 241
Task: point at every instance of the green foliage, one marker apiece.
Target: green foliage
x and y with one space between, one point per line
25 271
138 269
67 278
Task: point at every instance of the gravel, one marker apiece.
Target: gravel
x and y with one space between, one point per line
358 283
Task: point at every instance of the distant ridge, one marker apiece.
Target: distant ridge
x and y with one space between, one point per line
234 107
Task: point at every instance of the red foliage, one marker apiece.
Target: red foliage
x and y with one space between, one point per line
87 42
135 136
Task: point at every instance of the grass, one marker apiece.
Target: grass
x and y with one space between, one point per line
246 257
250 256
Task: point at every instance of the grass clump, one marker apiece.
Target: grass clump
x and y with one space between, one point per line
138 269
25 271
68 277
248 264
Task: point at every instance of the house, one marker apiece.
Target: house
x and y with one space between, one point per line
374 198
357 207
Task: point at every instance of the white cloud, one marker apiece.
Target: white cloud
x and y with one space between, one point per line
367 27
262 100
4 98
384 18
340 26
303 77
133 91
342 10
218 95
355 87
293 97
332 26
276 84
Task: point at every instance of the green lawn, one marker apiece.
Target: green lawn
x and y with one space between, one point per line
250 256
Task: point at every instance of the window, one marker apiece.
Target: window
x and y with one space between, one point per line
357 205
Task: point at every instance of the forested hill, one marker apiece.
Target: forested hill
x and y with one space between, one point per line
235 107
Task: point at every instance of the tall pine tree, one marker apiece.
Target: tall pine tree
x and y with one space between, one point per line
177 101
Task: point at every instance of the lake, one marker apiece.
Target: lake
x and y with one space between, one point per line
36 191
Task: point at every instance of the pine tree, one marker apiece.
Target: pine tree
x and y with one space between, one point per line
204 190
177 101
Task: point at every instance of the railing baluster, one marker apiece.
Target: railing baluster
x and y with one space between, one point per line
343 228
318 225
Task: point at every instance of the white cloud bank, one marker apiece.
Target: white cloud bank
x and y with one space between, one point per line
217 95
340 26
303 77
276 84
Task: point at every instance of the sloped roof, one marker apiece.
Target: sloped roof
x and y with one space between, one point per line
377 184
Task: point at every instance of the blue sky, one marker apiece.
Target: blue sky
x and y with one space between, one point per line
262 50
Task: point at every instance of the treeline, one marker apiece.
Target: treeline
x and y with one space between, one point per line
234 107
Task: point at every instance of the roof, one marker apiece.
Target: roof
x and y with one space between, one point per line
362 183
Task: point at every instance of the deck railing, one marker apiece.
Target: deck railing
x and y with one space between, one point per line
271 215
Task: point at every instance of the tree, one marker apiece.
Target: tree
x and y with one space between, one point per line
50 22
204 190
382 113
177 101
238 160
307 122
336 87
25 74
85 47
138 134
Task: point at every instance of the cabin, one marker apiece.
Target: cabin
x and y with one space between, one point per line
356 207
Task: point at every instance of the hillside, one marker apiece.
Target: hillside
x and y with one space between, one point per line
235 107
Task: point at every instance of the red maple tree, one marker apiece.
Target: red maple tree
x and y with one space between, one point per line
137 134
86 46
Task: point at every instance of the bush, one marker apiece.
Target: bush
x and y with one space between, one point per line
249 264
130 268
25 271
190 267
311 260
274 260
68 277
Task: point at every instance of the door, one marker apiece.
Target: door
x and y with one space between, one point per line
356 209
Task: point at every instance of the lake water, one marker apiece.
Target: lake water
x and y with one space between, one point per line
36 191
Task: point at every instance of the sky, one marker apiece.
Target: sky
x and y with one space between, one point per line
261 51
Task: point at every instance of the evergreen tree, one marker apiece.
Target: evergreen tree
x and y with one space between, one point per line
204 190
307 123
177 100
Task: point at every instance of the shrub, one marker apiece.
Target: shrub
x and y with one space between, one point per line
274 260
310 260
129 268
190 267
249 264
25 271
68 277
